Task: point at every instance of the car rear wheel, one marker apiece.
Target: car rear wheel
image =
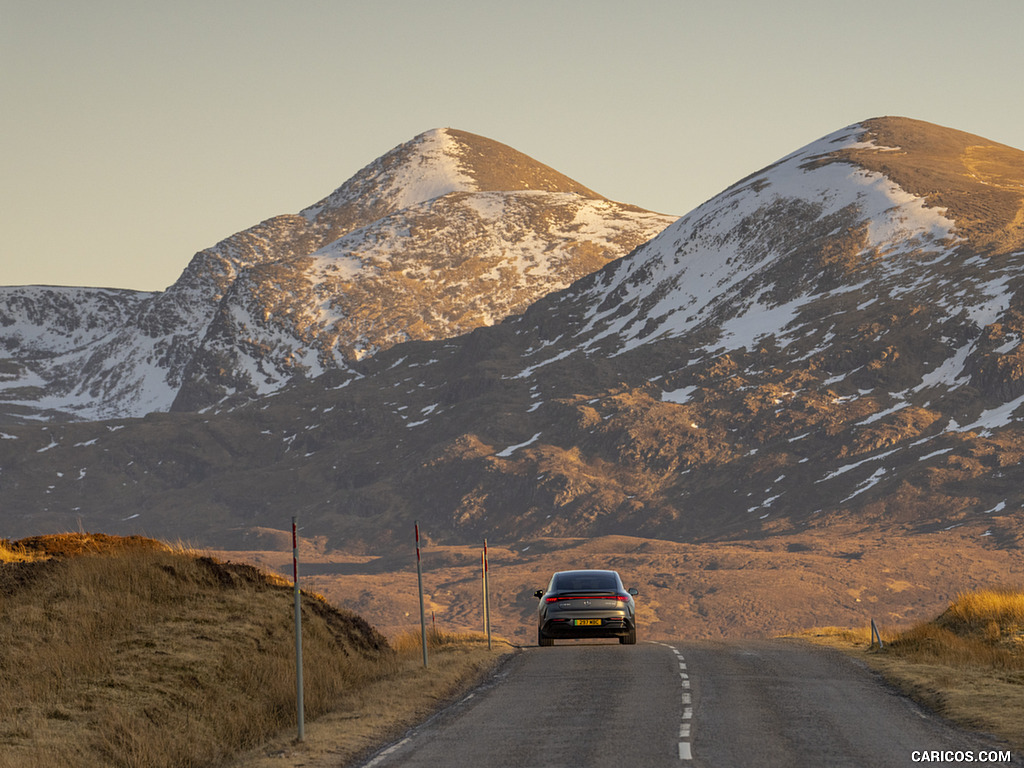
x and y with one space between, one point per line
544 641
629 639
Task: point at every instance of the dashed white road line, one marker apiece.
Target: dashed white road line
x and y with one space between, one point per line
685 737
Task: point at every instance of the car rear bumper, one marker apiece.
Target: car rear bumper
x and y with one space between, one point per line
610 626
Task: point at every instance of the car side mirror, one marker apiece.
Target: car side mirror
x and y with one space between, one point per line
539 594
633 591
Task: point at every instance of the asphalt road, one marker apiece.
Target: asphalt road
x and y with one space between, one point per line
724 705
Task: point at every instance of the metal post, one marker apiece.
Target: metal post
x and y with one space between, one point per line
876 634
487 598
483 590
419 576
299 698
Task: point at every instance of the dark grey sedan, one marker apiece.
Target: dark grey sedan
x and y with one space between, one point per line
586 604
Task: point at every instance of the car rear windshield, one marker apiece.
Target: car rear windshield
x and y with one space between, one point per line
585 582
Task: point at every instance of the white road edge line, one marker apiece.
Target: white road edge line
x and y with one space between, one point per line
684 751
380 758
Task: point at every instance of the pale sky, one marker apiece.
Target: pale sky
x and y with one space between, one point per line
134 133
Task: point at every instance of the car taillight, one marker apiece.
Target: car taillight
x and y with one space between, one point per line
588 597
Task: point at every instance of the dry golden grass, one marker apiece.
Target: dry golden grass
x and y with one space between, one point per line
995 615
14 553
369 717
967 664
119 652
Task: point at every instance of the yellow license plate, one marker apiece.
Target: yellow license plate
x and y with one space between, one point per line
588 622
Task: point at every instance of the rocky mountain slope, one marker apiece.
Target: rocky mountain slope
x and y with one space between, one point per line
443 234
833 343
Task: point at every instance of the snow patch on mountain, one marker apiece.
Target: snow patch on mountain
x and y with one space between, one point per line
507 452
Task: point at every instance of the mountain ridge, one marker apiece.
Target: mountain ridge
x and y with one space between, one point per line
814 349
246 316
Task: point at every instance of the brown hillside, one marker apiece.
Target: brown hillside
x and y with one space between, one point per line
126 652
978 181
497 167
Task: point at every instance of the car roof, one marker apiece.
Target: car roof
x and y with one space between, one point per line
586 570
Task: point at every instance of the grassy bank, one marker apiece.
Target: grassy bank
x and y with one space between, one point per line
127 652
367 718
966 664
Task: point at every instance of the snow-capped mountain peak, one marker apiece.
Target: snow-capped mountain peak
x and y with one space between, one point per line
433 164
423 168
444 233
725 258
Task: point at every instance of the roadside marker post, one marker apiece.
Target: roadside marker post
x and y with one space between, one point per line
419 577
299 697
487 600
876 635
483 590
